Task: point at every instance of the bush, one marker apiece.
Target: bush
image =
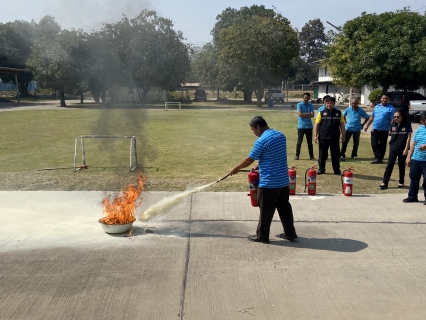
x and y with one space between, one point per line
374 95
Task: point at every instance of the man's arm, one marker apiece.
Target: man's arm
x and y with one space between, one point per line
343 131
305 115
407 145
367 124
243 164
410 153
316 128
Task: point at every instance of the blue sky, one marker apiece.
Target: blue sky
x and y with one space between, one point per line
195 18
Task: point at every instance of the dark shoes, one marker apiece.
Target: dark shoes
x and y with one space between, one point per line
286 237
383 186
377 161
339 173
313 158
255 238
408 200
342 159
320 172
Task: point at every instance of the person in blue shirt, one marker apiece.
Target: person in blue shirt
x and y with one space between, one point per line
381 118
353 115
416 160
305 111
270 149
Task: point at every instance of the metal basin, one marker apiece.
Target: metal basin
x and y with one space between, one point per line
116 228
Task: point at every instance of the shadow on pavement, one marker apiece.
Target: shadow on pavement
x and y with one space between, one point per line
330 244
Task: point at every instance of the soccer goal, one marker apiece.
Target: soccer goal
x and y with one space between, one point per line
166 104
133 152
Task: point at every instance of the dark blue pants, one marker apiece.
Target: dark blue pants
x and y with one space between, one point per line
417 169
333 145
269 200
379 141
348 136
308 134
393 155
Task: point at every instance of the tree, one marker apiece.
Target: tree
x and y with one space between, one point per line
260 49
60 62
312 41
104 65
16 40
381 50
152 52
230 16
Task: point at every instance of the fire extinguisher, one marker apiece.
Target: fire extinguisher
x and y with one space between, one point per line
253 179
347 182
311 181
292 177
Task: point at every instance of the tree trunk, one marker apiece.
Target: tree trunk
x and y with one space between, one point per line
259 96
103 96
247 96
81 97
95 96
62 97
218 94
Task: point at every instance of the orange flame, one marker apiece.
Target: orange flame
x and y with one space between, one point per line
121 210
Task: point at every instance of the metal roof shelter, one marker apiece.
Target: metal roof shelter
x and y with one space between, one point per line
6 70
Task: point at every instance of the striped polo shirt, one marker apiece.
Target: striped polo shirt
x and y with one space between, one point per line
419 139
271 151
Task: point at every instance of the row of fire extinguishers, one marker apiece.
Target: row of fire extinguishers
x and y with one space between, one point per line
310 182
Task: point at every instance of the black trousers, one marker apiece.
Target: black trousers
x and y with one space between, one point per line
391 162
379 140
333 145
348 136
308 134
269 200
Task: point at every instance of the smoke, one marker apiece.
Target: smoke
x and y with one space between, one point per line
91 15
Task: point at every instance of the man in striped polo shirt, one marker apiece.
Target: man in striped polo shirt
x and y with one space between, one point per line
273 193
416 160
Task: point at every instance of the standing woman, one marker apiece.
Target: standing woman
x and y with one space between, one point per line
400 132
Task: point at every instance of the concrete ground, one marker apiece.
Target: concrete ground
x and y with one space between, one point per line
359 257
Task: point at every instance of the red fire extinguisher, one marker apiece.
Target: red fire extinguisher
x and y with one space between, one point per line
311 181
347 182
253 179
292 177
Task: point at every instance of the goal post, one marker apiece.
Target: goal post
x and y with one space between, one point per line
166 104
133 152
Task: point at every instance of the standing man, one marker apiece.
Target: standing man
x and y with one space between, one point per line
305 111
381 117
353 115
329 124
416 160
273 193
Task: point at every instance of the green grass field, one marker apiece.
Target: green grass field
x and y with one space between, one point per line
176 149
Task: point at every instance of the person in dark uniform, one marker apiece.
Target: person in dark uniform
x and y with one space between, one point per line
329 125
399 145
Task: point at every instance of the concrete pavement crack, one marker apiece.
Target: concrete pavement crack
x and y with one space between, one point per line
188 255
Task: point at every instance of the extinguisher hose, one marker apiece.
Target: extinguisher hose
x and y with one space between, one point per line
341 178
221 179
306 180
